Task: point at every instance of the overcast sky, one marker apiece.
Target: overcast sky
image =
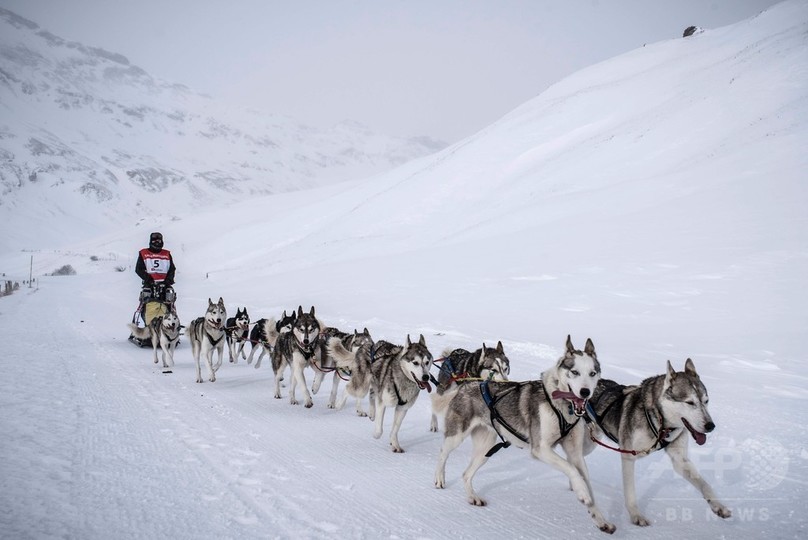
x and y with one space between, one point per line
442 68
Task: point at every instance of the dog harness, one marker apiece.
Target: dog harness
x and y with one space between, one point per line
660 434
491 402
564 427
210 338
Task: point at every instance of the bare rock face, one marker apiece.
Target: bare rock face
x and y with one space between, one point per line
690 30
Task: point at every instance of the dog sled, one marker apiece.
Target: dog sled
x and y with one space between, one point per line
155 300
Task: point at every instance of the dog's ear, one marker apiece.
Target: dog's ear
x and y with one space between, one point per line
422 341
220 302
210 302
589 348
409 343
570 348
690 368
312 311
484 348
500 350
671 374
365 331
299 311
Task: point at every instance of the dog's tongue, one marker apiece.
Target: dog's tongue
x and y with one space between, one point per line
425 385
559 394
569 396
698 436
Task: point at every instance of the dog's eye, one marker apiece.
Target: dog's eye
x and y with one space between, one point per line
593 373
574 372
691 402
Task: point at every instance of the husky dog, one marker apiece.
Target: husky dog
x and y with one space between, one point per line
265 333
533 414
296 349
327 362
459 365
351 353
398 376
657 414
207 335
164 333
236 329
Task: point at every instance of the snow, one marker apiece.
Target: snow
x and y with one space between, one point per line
653 202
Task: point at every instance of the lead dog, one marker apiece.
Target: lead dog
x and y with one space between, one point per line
657 414
237 330
533 414
461 365
398 376
297 350
164 333
206 335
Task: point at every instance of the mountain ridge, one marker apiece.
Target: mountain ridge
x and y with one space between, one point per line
85 120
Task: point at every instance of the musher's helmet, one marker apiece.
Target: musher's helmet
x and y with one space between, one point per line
156 241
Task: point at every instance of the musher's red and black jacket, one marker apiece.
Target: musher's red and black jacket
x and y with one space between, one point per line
155 266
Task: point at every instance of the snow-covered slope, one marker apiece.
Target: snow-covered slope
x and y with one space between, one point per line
92 138
652 202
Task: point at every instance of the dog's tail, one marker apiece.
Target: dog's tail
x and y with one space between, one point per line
140 333
270 332
344 358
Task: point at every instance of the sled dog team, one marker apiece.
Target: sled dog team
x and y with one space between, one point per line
571 405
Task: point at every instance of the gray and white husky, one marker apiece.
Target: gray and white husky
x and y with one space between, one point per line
164 333
533 414
351 354
297 350
237 330
461 365
265 333
657 414
326 362
206 335
398 376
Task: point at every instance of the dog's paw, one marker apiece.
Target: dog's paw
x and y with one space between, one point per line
155 360
361 414
720 510
293 401
607 527
213 378
440 481
476 500
639 520
199 379
309 404
331 406
397 449
377 434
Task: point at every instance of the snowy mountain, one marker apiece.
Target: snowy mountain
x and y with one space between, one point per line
83 127
653 203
